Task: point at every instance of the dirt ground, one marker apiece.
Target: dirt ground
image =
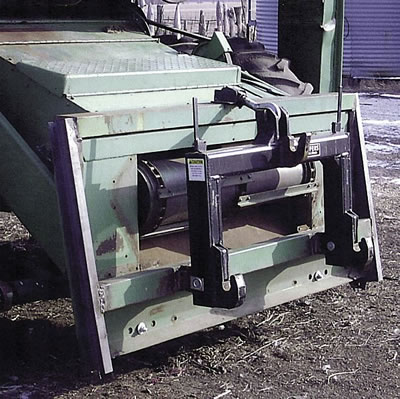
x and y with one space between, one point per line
340 343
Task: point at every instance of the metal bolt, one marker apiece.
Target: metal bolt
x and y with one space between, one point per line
196 283
318 276
141 328
330 246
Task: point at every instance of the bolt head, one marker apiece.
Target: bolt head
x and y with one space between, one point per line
318 276
141 328
330 246
196 283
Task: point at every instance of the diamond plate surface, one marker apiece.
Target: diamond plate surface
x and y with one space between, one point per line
167 62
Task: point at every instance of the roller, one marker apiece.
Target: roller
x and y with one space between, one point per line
162 190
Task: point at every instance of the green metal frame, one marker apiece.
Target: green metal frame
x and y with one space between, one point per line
275 271
109 166
108 118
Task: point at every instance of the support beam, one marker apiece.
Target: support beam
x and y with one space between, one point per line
154 284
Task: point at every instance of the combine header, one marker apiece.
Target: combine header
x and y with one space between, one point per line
178 189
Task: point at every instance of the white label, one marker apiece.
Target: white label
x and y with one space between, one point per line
314 150
196 169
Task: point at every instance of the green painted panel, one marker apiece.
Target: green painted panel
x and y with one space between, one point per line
151 284
175 316
80 48
30 107
105 147
111 195
163 140
146 100
137 287
145 73
95 66
168 117
28 187
272 253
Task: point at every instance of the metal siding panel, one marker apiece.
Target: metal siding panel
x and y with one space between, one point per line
372 45
267 24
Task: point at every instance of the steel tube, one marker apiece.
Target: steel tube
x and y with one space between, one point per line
163 193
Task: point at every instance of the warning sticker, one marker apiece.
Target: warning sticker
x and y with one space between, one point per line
196 169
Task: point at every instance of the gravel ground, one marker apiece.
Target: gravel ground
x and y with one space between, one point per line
339 343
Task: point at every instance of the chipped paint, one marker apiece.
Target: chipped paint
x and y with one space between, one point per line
113 244
157 309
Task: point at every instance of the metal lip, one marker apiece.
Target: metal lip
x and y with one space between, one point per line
77 41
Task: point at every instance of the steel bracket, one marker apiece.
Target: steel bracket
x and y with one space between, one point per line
211 282
272 127
341 242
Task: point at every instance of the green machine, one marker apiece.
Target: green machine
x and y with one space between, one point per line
180 186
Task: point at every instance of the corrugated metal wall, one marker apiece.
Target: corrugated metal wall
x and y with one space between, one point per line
267 24
372 38
372 35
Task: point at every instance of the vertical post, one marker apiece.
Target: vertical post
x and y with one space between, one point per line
202 25
160 14
251 21
177 20
244 12
150 16
239 21
231 20
218 14
198 144
225 26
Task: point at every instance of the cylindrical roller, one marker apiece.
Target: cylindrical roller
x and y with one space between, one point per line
162 193
162 190
273 179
